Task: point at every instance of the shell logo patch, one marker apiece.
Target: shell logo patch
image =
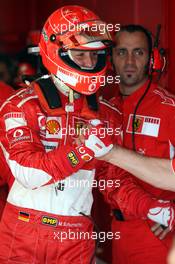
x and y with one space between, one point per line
53 127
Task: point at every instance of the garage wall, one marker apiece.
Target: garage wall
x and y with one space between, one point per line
17 19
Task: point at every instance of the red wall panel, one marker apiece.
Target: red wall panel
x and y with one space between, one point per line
17 18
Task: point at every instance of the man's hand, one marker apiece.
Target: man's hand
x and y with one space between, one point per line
160 231
96 138
75 157
163 213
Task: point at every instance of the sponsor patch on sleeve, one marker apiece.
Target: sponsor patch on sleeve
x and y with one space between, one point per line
14 120
18 135
72 158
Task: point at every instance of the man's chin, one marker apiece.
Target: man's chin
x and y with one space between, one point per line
129 82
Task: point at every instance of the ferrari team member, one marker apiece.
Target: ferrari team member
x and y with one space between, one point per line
47 200
158 172
150 134
5 92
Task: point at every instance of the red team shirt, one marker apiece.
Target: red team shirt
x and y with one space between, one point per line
154 136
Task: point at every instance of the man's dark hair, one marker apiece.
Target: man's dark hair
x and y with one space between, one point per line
131 28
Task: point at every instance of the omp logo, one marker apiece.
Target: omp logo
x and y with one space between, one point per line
73 158
46 220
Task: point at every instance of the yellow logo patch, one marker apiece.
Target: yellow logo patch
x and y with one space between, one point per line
137 123
49 221
73 158
53 127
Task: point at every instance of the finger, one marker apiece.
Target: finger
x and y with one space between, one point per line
164 233
158 231
81 138
163 227
155 227
77 141
85 130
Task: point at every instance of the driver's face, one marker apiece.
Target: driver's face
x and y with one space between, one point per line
85 59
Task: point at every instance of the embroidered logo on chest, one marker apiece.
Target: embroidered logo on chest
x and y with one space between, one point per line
144 125
53 127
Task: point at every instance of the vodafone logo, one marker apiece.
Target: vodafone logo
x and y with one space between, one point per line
92 87
18 133
42 122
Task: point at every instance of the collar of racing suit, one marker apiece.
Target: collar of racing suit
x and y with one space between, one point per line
135 96
80 104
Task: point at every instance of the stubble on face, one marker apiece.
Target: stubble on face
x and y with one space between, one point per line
130 58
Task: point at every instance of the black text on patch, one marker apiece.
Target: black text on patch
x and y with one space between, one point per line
49 221
73 158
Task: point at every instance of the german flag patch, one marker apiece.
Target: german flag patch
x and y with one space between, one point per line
23 216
